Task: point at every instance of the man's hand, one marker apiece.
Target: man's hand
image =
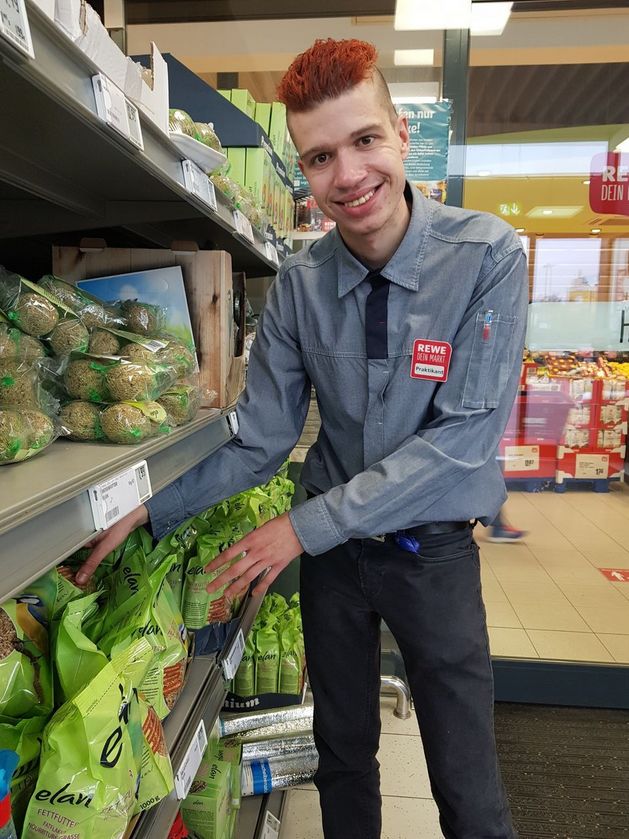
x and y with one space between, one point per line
108 540
270 548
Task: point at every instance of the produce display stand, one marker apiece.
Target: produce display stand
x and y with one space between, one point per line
64 175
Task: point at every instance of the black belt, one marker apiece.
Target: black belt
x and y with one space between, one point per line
432 528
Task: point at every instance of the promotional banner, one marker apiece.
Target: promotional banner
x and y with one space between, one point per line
573 327
427 162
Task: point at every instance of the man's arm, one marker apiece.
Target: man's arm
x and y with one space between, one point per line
470 412
271 415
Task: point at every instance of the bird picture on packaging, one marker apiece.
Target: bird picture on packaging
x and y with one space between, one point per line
163 287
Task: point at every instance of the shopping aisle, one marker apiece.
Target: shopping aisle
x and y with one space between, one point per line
546 597
407 805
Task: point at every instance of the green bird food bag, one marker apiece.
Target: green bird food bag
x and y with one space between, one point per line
267 657
151 613
91 756
156 774
200 607
290 659
207 807
245 678
77 659
25 677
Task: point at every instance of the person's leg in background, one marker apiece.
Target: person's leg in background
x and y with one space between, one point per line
434 608
342 637
501 531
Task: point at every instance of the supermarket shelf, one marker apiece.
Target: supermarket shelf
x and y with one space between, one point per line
45 513
85 176
253 812
201 699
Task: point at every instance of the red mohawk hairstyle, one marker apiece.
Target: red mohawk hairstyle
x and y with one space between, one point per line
325 71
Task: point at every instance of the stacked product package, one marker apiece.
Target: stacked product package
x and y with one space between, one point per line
71 364
88 675
273 660
569 422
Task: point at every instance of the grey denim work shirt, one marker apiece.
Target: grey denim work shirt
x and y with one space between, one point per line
393 451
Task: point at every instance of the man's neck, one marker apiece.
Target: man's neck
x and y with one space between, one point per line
376 249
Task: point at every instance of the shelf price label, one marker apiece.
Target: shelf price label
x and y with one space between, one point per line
116 110
243 226
232 422
191 762
197 183
114 498
271 254
271 827
234 657
14 26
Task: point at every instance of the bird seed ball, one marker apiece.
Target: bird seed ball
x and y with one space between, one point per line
136 352
143 318
69 336
182 404
125 424
130 382
179 356
12 434
94 315
82 381
18 385
40 429
104 343
82 420
35 315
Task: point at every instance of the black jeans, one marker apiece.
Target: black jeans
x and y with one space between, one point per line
432 604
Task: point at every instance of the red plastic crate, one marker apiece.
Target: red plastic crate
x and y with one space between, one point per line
523 460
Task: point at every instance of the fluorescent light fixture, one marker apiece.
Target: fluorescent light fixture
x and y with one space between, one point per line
560 211
596 230
587 183
489 18
414 58
623 146
433 14
520 229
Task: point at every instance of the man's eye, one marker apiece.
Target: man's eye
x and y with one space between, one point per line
366 141
320 159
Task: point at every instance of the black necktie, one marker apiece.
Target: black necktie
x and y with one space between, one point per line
376 316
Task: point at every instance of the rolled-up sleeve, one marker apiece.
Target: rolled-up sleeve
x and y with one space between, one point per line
271 415
424 478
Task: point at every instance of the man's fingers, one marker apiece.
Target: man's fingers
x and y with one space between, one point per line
226 556
95 558
266 581
251 574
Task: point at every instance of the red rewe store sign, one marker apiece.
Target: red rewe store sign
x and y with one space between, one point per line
609 184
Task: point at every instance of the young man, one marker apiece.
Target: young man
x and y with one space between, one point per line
409 321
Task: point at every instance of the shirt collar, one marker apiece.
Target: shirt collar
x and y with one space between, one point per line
404 267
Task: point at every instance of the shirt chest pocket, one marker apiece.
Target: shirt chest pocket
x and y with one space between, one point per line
491 360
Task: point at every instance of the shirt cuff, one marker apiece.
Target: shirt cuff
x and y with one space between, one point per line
166 511
315 529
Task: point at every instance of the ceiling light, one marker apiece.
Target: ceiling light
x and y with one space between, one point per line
623 146
489 18
483 173
596 230
433 14
560 211
587 183
520 229
414 58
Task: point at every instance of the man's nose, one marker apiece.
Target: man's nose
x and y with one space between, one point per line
350 170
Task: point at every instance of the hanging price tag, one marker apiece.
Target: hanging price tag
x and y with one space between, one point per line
114 498
14 25
243 226
232 422
271 827
198 183
191 762
271 253
114 108
232 661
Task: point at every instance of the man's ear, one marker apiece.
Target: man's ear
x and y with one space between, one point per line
403 134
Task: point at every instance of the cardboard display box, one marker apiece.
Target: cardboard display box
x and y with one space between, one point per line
215 296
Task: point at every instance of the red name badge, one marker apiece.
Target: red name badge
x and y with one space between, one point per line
431 360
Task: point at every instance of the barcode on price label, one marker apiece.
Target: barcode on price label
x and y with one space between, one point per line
142 478
232 661
271 828
191 762
113 107
115 497
198 183
14 25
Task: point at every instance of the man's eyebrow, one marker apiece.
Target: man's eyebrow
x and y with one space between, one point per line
360 132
